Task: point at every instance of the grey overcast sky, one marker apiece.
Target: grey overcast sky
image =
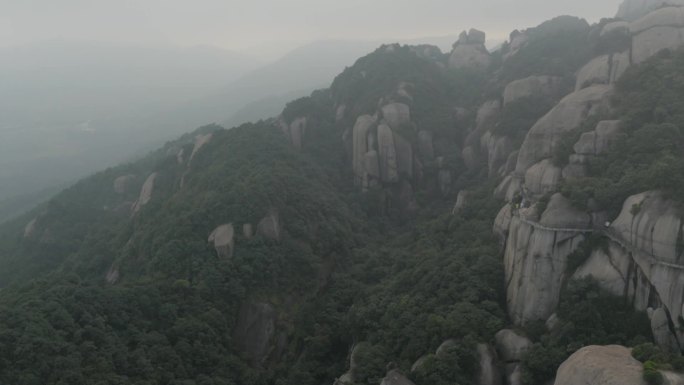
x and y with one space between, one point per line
239 24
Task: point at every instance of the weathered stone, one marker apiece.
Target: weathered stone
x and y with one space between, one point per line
487 114
601 365
535 261
569 114
631 10
621 62
395 377
653 40
666 16
113 275
461 201
200 141
542 178
621 27
223 238
339 112
389 171
511 346
360 144
254 331
30 228
597 71
546 86
404 151
489 373
503 222
397 115
560 213
123 184
498 149
145 193
598 141
469 56
371 164
297 131
663 336
269 227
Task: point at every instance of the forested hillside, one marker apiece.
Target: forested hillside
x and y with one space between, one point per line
430 219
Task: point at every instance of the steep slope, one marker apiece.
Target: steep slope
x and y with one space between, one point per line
349 240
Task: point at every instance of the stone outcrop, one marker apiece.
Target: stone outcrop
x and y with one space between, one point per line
497 148
569 114
601 365
535 259
145 193
200 141
511 346
605 69
396 115
269 227
395 377
533 86
360 132
461 201
660 29
30 228
542 177
223 239
425 147
631 10
112 275
470 52
503 222
254 331
123 184
489 373
597 142
389 169
662 334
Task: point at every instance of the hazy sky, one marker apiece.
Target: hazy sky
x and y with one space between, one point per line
238 24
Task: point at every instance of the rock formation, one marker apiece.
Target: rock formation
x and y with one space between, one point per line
200 141
254 331
145 193
489 373
269 227
396 115
537 86
601 365
661 29
631 10
470 52
223 239
395 377
535 259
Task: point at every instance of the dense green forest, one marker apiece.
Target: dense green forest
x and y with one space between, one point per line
100 289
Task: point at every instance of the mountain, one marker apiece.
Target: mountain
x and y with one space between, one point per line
472 217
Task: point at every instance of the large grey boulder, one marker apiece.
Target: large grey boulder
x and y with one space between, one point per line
395 377
223 239
489 373
545 86
661 29
560 213
145 193
569 114
360 132
535 261
511 345
601 365
389 169
200 141
597 142
542 178
649 228
503 222
397 115
663 336
269 227
470 51
254 331
631 10
404 152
